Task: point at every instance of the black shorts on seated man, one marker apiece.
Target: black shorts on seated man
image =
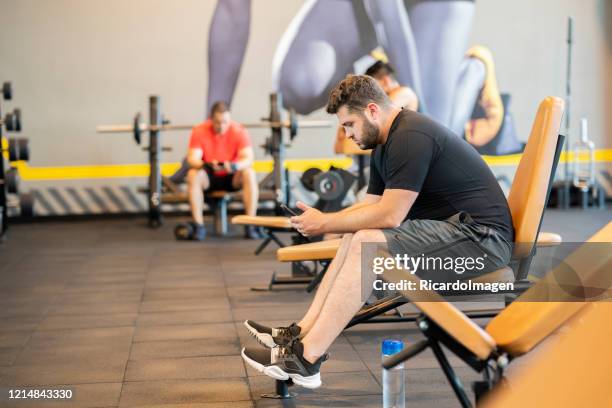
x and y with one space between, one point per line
430 194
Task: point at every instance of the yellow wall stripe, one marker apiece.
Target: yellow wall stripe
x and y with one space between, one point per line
601 156
29 173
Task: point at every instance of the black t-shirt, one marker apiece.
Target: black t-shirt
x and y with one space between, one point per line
447 172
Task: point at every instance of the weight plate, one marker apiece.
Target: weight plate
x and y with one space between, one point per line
24 149
13 149
9 122
26 205
293 123
17 119
137 134
183 232
329 186
7 91
12 180
308 177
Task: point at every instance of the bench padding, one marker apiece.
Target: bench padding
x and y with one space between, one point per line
549 239
530 319
309 252
262 221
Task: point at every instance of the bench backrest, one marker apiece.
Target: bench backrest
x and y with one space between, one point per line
531 184
531 318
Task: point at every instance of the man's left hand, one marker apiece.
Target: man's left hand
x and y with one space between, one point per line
311 222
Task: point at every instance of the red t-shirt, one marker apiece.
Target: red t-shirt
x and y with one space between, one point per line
220 147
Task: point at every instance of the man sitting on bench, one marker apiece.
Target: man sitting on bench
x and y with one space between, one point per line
220 158
430 192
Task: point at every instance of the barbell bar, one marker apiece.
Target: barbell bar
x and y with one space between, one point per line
265 125
138 127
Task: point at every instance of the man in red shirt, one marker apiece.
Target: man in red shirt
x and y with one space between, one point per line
220 157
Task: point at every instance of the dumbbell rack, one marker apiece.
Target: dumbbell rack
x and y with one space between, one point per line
6 94
9 177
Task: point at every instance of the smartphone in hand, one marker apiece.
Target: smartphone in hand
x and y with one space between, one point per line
288 210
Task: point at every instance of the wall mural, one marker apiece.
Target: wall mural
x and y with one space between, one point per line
426 43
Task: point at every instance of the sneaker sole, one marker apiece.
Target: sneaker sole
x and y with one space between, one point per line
312 382
262 338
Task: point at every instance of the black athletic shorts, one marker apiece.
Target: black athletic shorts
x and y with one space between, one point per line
221 182
458 238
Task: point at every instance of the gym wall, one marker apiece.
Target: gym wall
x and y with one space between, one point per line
77 64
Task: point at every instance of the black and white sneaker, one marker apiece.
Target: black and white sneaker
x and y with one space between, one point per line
285 362
273 336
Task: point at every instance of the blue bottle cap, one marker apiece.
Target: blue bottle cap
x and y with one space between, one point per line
390 347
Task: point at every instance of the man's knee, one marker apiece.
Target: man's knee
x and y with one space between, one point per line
192 175
197 178
248 174
368 236
245 177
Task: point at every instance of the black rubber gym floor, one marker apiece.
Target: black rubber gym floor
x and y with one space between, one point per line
126 316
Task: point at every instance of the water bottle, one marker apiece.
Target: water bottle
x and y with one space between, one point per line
584 159
393 379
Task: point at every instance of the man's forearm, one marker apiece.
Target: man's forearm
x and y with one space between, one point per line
242 164
372 216
354 207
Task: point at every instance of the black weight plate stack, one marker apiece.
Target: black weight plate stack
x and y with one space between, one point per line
12 180
7 91
26 205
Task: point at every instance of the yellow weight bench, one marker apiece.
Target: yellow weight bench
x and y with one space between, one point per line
527 201
573 370
219 200
270 225
302 271
548 305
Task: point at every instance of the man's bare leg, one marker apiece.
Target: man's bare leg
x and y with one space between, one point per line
197 182
343 300
326 284
247 179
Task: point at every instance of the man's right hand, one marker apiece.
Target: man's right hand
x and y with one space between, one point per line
216 166
210 168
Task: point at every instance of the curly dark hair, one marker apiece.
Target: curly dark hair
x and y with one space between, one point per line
356 92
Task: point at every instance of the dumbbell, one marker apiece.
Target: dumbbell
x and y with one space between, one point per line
184 232
12 121
11 179
18 149
7 91
25 203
